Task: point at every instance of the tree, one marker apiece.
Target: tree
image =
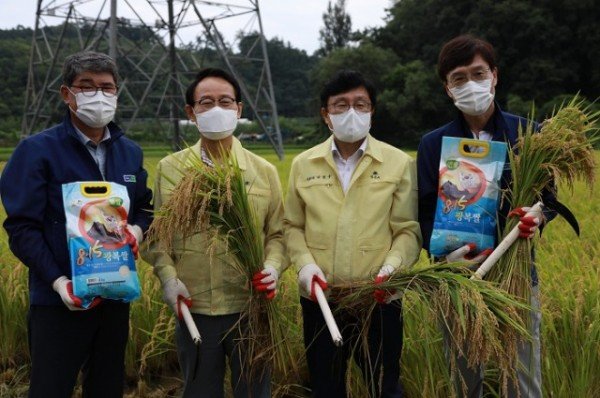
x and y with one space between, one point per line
337 28
414 101
374 63
544 49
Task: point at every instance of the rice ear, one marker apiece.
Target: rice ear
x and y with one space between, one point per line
482 319
562 152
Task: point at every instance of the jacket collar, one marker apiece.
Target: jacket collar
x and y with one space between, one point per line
236 149
323 150
497 125
113 128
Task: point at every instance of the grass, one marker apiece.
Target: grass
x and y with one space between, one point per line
569 270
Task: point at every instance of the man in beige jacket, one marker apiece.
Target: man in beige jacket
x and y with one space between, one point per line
351 215
215 292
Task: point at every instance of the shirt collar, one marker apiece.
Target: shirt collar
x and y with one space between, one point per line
483 135
496 125
236 149
361 150
324 149
85 140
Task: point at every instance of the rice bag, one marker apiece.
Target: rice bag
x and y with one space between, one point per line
468 193
102 263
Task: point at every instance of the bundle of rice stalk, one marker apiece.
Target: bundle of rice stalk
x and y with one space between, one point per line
214 200
561 152
482 320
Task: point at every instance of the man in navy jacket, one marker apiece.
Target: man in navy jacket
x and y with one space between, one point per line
467 68
86 146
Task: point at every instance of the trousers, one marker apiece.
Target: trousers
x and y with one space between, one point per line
63 342
379 363
220 343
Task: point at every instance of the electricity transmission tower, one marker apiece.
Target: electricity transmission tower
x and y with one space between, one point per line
159 46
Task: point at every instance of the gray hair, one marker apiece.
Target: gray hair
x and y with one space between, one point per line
87 61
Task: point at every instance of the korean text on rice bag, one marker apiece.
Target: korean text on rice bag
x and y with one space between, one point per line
468 192
102 262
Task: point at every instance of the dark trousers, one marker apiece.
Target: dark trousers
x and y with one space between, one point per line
327 364
220 342
63 342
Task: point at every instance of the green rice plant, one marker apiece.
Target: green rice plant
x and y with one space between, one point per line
570 276
215 200
425 370
150 352
569 269
562 152
14 302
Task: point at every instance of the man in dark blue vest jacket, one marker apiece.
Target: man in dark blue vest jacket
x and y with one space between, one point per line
467 68
86 146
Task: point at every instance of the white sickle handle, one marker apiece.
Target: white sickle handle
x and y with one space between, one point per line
329 320
484 268
191 325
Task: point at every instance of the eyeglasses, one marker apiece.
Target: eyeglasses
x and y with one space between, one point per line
205 104
90 91
343 106
460 78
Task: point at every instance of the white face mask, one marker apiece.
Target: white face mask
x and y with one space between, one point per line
350 126
217 123
95 111
473 98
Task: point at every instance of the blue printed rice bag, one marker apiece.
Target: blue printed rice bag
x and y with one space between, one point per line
468 192
102 262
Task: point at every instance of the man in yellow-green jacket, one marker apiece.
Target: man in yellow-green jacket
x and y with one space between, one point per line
215 292
351 215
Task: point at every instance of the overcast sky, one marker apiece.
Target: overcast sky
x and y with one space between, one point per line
296 21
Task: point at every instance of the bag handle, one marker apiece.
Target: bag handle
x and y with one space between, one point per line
485 145
96 189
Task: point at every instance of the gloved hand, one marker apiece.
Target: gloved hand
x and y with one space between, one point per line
133 237
266 281
464 254
174 293
308 276
384 296
63 286
527 224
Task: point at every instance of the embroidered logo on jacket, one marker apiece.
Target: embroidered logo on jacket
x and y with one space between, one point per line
129 178
318 177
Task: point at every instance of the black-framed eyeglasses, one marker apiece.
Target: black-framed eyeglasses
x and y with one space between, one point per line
461 78
205 104
343 106
90 91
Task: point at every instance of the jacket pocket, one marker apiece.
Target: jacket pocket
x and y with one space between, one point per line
370 244
370 254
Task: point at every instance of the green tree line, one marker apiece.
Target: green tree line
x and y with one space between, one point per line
547 50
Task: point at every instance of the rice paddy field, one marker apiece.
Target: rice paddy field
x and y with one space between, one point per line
569 270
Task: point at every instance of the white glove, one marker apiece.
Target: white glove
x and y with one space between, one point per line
64 287
308 276
174 292
385 271
462 255
266 281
